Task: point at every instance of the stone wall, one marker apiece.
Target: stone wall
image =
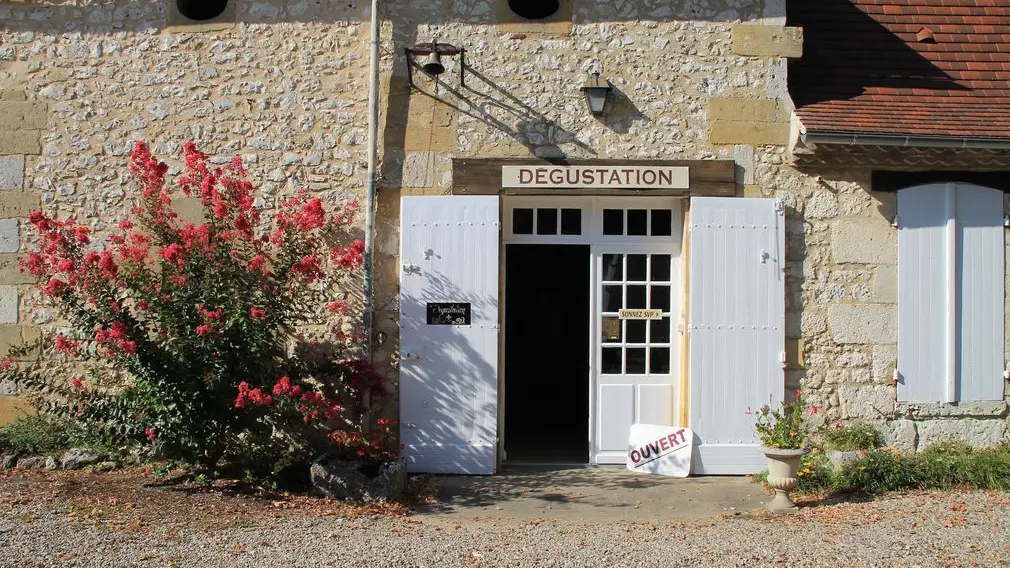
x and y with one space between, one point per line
282 84
841 302
694 82
285 85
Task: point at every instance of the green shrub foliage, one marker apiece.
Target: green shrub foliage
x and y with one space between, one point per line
852 437
944 465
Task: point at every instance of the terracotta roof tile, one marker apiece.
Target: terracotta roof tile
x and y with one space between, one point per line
865 71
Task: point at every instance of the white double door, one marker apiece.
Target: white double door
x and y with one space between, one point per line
449 397
635 343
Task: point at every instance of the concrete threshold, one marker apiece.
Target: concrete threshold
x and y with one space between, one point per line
592 493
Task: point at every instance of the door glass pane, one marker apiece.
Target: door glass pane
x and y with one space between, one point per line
610 361
660 268
612 298
638 221
613 221
571 221
635 361
547 221
636 297
659 331
522 221
660 298
613 269
662 222
636 331
659 360
610 329
636 267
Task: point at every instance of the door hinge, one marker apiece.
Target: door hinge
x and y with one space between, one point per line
782 358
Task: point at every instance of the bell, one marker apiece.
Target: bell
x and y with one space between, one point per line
432 64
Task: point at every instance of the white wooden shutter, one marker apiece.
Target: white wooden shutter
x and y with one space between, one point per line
980 292
449 373
736 325
923 302
950 293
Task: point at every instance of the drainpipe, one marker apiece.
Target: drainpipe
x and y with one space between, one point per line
906 141
373 127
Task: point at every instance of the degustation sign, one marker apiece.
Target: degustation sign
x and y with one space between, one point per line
595 177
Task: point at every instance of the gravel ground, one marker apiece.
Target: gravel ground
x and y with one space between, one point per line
50 520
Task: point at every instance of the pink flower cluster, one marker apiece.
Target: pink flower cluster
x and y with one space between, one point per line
115 339
251 396
310 404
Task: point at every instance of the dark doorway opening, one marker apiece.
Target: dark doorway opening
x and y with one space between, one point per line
547 353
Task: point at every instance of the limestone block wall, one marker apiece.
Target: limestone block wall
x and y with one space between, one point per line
695 80
841 307
285 85
282 84
690 82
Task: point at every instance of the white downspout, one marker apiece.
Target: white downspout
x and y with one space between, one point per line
373 128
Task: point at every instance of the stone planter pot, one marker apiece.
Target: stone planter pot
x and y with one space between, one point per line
358 481
782 467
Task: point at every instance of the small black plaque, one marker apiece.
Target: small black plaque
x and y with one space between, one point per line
449 313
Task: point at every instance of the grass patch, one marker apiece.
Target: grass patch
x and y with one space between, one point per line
44 433
37 434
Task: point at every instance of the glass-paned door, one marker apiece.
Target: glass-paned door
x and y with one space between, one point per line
637 349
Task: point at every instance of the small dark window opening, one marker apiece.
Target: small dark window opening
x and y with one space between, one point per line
534 9
201 9
522 221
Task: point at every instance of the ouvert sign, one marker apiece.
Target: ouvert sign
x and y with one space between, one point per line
602 177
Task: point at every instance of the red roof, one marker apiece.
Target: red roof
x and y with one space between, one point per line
903 67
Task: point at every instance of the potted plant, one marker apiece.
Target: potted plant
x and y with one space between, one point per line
784 443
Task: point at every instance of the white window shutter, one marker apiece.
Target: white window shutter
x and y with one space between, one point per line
980 293
922 293
950 293
449 373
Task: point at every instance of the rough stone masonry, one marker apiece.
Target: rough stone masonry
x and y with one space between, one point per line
285 85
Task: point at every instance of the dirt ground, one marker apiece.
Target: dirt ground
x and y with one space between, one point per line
134 518
133 499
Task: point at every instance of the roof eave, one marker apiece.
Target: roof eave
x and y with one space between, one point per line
851 138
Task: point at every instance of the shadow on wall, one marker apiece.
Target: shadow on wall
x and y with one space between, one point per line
449 393
621 113
796 258
484 100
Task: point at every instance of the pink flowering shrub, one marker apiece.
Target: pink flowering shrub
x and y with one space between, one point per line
202 318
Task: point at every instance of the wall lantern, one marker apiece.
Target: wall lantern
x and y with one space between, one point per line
596 89
432 63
